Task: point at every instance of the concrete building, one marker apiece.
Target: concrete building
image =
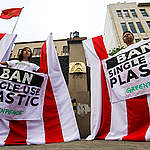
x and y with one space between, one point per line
60 45
121 17
78 84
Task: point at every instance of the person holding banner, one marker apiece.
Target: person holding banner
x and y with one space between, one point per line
128 38
23 62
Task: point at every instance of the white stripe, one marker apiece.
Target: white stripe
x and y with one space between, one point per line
4 131
119 122
35 128
147 136
5 49
6 44
61 94
96 89
148 101
35 132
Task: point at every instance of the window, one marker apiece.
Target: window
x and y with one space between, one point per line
124 27
36 51
119 13
145 38
65 49
140 27
133 13
137 40
126 13
10 55
19 51
148 23
143 12
132 27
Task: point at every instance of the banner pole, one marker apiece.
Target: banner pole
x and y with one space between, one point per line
16 22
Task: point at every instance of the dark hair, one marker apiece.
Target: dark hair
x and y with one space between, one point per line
21 54
128 32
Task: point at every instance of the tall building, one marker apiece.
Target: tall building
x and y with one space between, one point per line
121 17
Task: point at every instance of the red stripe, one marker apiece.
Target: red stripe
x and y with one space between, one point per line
106 111
52 126
138 118
18 129
2 35
100 47
43 60
106 107
18 133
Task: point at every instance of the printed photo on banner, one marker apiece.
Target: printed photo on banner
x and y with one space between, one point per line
128 72
21 94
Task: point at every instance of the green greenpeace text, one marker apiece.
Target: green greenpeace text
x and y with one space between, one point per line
10 112
138 87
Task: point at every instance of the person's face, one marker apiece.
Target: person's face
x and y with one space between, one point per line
26 53
128 38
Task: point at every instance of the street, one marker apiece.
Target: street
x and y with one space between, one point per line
85 145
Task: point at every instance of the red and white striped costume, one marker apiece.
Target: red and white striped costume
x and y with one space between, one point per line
58 123
124 120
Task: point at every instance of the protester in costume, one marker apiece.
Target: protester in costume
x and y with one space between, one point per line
23 62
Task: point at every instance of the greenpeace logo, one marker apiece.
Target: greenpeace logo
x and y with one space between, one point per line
10 112
138 87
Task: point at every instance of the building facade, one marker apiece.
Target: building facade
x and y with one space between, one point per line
78 83
60 45
121 17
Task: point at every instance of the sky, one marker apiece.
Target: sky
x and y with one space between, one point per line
40 17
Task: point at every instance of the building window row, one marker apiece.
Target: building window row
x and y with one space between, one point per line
119 13
124 27
133 12
143 12
65 49
36 52
148 23
145 38
140 27
132 27
126 13
137 40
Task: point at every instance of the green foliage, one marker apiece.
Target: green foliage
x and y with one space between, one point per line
138 40
115 50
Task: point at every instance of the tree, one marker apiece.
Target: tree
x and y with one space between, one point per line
115 50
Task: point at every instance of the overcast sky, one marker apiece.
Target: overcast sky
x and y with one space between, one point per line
40 17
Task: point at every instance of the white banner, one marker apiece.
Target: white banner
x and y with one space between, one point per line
128 72
21 94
